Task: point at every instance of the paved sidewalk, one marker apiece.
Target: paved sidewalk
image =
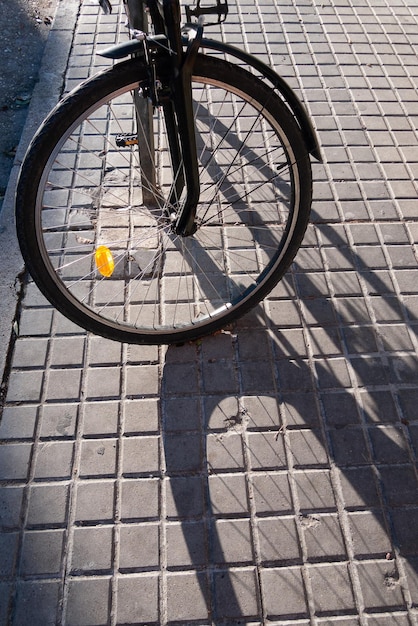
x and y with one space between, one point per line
265 475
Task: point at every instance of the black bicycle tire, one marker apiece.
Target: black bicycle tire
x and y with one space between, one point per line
72 108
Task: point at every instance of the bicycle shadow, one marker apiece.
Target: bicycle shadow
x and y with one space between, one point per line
195 497
336 410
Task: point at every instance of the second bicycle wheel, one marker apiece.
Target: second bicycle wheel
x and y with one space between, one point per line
112 264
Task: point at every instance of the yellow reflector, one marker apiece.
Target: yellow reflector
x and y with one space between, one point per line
104 261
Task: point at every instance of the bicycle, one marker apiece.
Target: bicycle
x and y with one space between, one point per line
166 196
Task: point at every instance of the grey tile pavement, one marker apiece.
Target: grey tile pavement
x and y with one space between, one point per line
266 475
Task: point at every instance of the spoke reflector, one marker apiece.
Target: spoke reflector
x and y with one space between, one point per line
104 261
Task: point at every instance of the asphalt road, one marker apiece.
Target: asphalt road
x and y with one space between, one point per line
25 25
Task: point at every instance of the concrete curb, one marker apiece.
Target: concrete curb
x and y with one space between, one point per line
45 96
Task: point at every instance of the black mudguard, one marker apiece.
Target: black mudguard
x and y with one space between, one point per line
279 84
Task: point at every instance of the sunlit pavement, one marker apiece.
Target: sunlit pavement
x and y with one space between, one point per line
265 475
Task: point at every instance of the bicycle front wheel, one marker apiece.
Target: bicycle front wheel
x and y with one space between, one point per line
110 262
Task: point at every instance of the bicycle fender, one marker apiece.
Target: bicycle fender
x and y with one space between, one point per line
122 50
135 46
279 84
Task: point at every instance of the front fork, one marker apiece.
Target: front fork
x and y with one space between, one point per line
177 108
184 224
180 123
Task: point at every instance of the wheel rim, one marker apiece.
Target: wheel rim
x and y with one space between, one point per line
161 284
